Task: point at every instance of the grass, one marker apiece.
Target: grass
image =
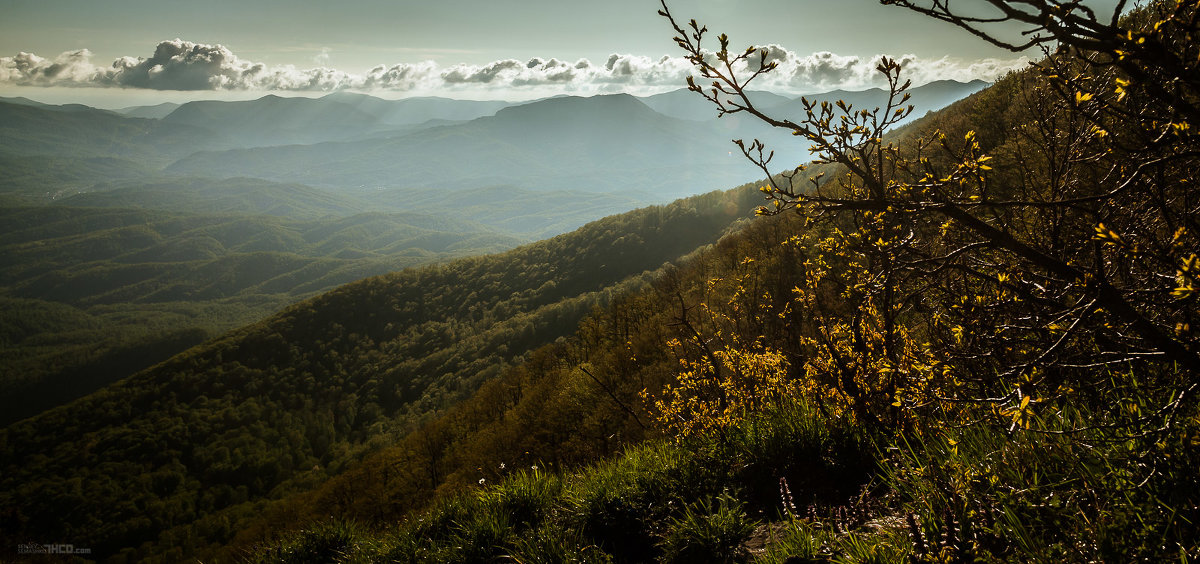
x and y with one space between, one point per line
812 490
661 500
712 529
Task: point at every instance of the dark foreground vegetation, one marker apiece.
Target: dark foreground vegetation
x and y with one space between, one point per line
972 340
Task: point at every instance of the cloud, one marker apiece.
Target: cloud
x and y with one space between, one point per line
184 65
459 74
403 77
69 68
824 71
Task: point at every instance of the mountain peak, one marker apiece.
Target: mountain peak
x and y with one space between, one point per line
562 107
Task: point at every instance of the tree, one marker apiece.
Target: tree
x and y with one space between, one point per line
1156 48
1026 261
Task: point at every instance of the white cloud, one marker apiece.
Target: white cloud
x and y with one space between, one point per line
824 71
403 77
184 65
69 68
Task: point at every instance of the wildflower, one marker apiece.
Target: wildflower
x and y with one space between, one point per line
785 494
482 480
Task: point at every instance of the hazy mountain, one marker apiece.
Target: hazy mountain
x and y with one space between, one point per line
685 104
521 213
602 144
612 143
273 120
157 111
418 110
341 116
28 130
789 150
659 147
23 101
925 98
536 214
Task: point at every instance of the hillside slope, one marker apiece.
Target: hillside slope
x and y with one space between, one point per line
92 295
199 443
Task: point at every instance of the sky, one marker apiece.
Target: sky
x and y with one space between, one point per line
117 53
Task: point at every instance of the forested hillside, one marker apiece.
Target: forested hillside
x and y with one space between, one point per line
92 295
175 460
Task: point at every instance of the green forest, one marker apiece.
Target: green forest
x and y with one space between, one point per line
99 284
969 337
93 294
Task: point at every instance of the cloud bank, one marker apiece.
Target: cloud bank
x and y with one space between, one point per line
186 66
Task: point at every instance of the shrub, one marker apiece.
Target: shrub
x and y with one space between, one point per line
710 530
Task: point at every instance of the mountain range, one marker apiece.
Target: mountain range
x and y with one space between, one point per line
349 142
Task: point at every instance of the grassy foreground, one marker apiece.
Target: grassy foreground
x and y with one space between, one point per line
790 485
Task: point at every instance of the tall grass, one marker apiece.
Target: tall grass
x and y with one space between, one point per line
816 490
1067 489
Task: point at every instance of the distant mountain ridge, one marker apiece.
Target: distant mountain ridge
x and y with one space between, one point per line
417 110
156 111
23 101
599 144
275 120
667 145
29 130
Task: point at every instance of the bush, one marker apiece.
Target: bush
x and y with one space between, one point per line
710 530
330 541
